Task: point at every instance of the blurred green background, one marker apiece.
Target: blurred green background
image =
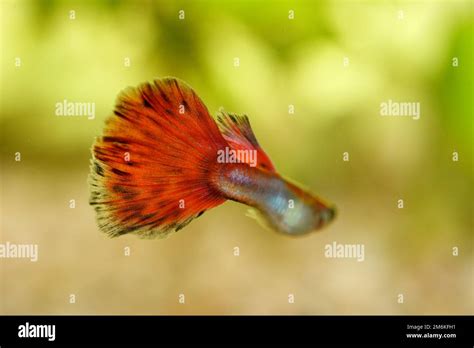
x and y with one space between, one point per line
396 50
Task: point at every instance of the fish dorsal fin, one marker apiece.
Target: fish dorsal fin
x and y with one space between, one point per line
237 131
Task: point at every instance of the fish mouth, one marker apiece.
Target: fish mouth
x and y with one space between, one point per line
327 215
332 213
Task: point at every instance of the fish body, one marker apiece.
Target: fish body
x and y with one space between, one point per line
158 166
284 206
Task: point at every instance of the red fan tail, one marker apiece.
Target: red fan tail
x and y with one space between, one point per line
150 169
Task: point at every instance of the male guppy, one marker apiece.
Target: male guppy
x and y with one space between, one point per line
159 164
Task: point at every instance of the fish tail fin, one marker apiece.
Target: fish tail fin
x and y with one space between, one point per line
150 169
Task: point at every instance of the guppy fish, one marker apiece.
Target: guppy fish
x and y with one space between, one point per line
158 166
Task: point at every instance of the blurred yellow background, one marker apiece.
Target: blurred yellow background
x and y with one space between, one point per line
335 62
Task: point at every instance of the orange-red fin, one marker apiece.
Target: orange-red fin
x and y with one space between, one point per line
150 169
237 131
